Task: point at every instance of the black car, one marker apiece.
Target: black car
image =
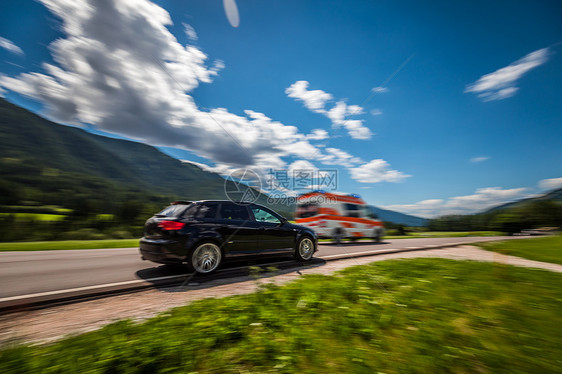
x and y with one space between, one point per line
203 234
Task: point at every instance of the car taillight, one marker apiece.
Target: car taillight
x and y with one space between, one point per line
171 225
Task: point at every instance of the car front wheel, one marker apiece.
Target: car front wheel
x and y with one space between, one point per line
305 249
206 258
377 237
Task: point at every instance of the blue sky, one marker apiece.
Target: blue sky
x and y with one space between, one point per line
428 110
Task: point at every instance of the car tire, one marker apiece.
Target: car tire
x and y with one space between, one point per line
205 258
305 249
377 238
337 236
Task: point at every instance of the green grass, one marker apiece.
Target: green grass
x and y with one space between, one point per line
547 249
401 316
105 217
455 234
35 216
438 234
69 244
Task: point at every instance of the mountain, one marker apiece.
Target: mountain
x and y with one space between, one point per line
48 163
398 218
45 163
554 196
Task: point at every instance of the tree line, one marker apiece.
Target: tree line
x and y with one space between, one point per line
530 215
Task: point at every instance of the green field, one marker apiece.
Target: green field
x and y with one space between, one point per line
547 249
401 316
35 216
438 234
69 244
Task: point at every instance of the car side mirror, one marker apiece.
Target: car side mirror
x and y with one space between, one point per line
283 221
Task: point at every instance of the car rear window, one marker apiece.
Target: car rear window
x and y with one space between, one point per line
173 210
234 212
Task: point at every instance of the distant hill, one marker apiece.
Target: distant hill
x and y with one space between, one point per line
554 196
535 212
398 218
56 164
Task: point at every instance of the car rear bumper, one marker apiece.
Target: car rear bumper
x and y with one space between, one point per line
161 251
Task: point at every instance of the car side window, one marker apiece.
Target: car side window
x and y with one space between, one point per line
234 212
352 210
262 215
206 211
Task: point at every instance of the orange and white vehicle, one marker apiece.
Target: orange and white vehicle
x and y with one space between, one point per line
338 216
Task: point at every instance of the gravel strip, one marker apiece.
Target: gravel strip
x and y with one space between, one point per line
45 325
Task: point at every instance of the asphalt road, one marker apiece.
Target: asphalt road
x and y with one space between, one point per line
24 273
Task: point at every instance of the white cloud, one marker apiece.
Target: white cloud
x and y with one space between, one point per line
379 89
483 198
356 129
376 112
376 171
479 159
10 46
315 100
132 77
190 32
304 168
318 134
339 114
231 11
501 83
341 110
550 184
335 156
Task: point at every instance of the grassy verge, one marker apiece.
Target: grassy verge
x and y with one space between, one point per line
547 249
69 244
438 234
409 316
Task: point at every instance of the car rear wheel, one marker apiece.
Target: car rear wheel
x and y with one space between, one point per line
206 258
337 236
377 236
305 249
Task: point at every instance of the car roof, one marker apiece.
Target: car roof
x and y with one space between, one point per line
214 201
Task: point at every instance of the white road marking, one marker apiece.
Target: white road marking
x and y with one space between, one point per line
87 288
